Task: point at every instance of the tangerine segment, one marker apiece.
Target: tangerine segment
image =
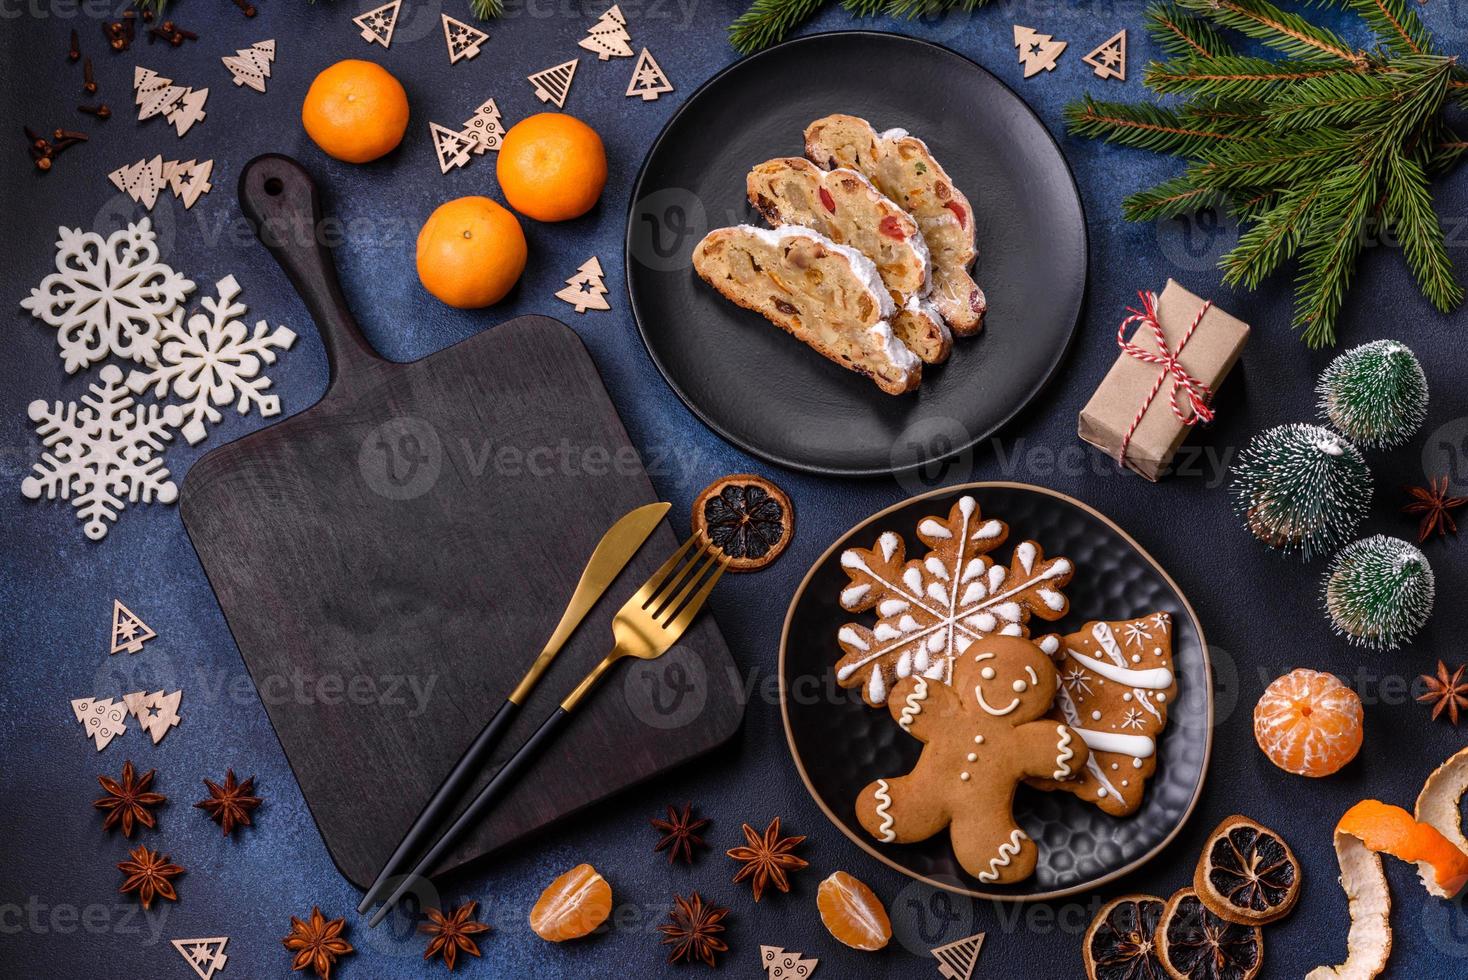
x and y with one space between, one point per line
1388 829
355 111
1308 723
852 912
572 906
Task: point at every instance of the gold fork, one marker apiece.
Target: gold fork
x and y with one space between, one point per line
646 627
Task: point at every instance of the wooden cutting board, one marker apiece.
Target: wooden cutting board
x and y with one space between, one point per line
392 558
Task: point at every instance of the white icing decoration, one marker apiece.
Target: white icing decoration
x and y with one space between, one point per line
933 529
1127 696
913 706
884 810
1007 853
1151 678
973 757
1068 709
850 636
853 595
877 687
1049 644
1034 678
964 776
888 542
989 530
1137 763
981 657
1052 599
1133 745
1161 696
891 607
996 712
987 673
1020 686
1064 753
1095 716
1024 553
978 740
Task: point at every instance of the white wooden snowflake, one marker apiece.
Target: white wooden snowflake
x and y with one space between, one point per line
103 456
213 361
108 296
933 609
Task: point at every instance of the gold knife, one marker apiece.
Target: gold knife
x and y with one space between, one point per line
612 554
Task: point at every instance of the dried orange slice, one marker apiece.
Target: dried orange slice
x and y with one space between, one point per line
1308 723
1195 944
853 913
1122 941
1247 873
572 906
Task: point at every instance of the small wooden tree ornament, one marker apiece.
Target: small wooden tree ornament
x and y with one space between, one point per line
205 956
158 96
780 964
1108 59
1037 52
648 79
251 66
141 181
608 37
102 719
957 960
156 713
188 180
129 632
554 84
586 290
453 148
378 23
485 128
462 39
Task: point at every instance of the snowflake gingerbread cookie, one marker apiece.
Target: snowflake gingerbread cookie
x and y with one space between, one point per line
933 609
108 297
104 455
983 733
1117 684
213 361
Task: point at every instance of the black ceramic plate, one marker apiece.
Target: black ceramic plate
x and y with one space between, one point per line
764 390
1080 846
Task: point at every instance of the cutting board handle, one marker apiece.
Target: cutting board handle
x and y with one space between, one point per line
280 201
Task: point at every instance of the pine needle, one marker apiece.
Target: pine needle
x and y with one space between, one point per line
1395 22
1170 199
1409 208
1236 76
1183 35
768 21
1263 21
1143 125
487 9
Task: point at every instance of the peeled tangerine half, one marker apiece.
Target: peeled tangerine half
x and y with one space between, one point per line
852 912
572 906
1432 839
1308 723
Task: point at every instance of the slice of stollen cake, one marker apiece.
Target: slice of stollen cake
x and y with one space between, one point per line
844 206
829 296
902 167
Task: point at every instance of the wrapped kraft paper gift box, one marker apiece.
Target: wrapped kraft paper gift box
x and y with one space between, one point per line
1145 406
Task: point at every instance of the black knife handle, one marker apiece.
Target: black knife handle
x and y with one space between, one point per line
448 795
491 793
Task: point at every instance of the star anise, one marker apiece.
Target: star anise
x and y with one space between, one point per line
767 858
230 805
127 802
147 874
451 933
1435 506
693 930
680 833
317 943
1445 692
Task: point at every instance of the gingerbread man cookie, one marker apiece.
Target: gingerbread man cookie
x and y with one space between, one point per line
982 737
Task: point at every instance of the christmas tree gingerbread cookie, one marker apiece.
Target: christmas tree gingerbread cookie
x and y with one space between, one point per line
982 736
1117 683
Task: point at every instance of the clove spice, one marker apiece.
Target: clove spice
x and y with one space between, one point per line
89 80
75 51
101 111
246 6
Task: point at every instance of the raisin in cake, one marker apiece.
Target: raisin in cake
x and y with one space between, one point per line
902 167
829 296
844 206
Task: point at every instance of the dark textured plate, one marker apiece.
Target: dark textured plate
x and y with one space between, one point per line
1080 846
764 390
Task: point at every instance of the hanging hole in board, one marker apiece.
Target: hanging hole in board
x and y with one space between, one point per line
273 186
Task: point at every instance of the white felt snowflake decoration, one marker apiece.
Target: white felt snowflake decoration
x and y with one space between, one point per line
107 297
103 456
932 609
213 361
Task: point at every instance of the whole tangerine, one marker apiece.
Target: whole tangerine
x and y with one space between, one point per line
471 252
552 167
1308 723
355 111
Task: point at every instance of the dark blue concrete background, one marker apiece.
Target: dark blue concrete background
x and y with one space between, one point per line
59 911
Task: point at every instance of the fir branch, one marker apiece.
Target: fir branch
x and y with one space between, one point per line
1235 76
1143 125
1277 28
1334 100
1395 21
1409 208
1170 199
1329 250
1272 239
1182 35
864 8
923 8
487 9
767 21
1276 160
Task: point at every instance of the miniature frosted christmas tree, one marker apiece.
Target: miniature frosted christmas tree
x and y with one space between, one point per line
648 79
1379 592
608 37
1037 52
1301 487
585 290
1375 394
251 66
